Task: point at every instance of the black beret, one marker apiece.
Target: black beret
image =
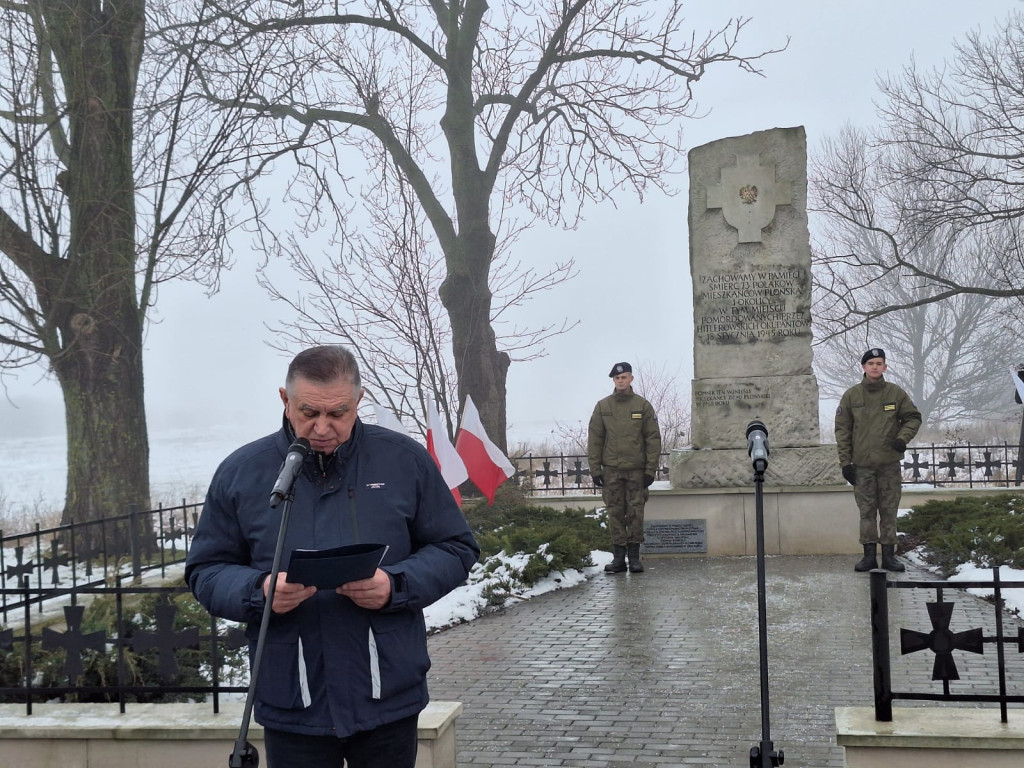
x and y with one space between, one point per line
620 368
871 353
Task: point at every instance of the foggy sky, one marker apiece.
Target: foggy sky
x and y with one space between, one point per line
206 359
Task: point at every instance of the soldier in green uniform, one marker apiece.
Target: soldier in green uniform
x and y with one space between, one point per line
624 448
874 422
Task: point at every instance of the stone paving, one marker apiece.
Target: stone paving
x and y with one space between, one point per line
662 669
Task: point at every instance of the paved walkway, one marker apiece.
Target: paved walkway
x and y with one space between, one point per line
661 669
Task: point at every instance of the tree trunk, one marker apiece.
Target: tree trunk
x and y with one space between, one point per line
481 369
90 296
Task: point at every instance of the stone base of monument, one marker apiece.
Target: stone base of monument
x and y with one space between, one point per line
815 465
722 522
808 507
930 737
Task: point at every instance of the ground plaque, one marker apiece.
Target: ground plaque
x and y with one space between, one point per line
674 537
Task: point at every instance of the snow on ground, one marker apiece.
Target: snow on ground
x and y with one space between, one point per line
1013 599
469 601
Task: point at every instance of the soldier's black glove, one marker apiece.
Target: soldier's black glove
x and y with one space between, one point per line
648 479
899 445
598 481
850 473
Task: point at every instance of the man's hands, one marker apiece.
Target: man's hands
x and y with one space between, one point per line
850 473
648 479
899 445
373 593
598 481
287 596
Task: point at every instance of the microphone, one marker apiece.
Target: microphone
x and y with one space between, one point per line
757 445
289 471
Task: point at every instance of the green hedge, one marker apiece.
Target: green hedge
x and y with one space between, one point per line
987 530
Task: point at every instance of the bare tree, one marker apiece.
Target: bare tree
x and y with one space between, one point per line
952 139
951 357
540 105
670 399
378 293
97 208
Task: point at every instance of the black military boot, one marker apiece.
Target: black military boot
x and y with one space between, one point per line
889 561
635 563
869 560
618 563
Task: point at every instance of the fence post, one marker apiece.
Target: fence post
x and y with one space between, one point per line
880 645
136 544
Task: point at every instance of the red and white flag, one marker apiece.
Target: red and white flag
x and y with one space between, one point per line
388 420
488 467
440 448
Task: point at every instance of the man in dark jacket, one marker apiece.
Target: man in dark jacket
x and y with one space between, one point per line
623 450
874 422
344 672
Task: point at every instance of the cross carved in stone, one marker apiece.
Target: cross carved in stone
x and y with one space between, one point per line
748 196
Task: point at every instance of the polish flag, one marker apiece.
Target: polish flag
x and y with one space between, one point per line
488 467
388 420
440 448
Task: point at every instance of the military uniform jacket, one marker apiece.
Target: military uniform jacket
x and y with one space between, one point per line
870 416
624 434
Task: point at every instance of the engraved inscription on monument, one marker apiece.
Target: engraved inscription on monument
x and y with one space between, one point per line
759 304
673 537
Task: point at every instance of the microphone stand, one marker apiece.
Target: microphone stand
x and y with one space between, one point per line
245 754
763 755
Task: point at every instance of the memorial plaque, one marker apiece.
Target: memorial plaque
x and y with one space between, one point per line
675 537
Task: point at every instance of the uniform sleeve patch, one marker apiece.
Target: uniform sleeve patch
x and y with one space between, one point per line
636 415
889 407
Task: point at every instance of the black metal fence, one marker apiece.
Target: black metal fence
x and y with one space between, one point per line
965 466
942 642
94 553
163 639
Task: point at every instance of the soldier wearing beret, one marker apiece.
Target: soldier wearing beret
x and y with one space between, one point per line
874 422
624 448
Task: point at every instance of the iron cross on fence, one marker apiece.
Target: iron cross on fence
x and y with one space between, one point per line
20 568
74 641
577 472
55 560
547 473
172 533
916 465
165 640
951 464
988 464
942 641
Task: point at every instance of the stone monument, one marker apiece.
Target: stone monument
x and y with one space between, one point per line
750 263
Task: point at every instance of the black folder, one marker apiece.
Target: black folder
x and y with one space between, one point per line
330 568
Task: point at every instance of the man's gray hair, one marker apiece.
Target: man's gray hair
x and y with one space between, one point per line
324 365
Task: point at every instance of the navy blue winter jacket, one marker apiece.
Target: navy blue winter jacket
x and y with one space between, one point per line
330 667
